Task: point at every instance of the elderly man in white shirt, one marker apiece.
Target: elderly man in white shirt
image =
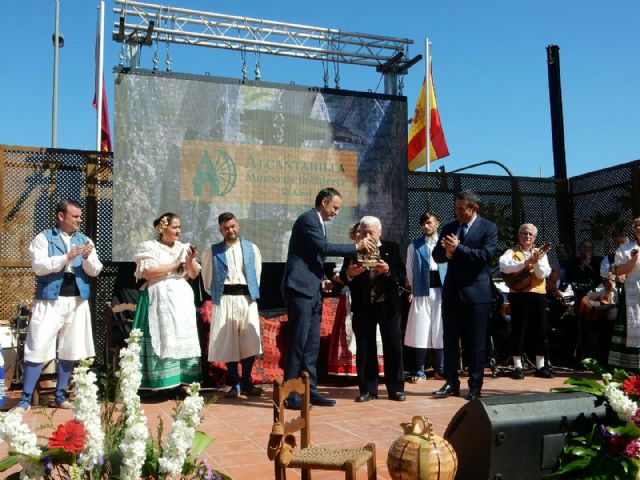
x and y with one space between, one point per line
527 299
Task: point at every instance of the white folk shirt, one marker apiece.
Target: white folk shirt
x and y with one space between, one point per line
508 264
235 328
68 318
424 323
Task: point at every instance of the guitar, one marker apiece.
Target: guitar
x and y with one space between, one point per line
520 281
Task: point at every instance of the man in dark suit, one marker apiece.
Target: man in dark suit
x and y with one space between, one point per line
375 300
467 245
302 283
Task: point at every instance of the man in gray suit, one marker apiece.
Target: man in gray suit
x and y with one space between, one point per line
302 283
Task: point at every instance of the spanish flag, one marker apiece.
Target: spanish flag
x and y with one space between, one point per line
417 137
105 133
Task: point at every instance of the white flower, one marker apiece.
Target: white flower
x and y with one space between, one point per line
87 411
17 434
134 442
624 407
607 377
182 433
21 440
133 447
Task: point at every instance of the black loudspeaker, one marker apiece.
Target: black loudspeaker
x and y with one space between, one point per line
517 437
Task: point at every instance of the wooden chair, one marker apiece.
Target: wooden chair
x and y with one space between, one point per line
119 319
282 441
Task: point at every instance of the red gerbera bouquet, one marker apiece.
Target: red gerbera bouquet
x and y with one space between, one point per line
69 436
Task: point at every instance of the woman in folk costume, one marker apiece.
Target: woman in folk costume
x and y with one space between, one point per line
528 301
166 313
424 277
625 341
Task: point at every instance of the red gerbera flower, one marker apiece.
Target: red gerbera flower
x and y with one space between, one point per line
631 386
69 435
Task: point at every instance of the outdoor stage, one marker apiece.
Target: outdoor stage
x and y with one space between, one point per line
241 426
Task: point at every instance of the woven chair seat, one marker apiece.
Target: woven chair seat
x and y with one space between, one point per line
288 452
329 458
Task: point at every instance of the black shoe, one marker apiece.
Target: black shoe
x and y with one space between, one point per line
544 372
448 390
365 397
321 400
518 374
397 396
474 393
293 402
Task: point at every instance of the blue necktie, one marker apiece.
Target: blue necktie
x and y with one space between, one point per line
463 232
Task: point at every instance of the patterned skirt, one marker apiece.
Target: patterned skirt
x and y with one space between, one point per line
161 373
621 356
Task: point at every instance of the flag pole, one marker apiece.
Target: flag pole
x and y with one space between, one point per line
427 106
100 76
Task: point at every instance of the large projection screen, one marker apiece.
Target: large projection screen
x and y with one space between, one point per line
199 146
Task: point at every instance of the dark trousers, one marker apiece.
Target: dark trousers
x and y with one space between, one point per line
528 323
468 320
365 321
303 341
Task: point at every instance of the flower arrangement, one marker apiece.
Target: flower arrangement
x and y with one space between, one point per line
111 441
612 450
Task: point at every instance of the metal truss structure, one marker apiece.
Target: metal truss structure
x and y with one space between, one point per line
143 23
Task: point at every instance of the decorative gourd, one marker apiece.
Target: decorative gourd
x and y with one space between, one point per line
421 455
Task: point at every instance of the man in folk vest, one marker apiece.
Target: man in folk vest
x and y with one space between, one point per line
528 304
231 274
63 259
425 277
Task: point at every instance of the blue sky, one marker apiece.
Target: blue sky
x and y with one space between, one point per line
489 64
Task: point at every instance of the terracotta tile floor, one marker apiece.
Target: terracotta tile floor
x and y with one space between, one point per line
241 426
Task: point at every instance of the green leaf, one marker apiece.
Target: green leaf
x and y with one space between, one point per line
8 462
629 430
572 466
200 442
620 375
60 455
580 451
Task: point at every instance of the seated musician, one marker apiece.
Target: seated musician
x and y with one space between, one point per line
524 269
597 311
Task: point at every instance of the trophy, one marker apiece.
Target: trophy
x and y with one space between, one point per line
368 260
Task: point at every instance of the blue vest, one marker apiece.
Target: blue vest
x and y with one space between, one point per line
421 266
221 269
48 286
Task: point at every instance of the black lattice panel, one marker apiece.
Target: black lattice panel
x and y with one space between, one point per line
600 179
33 182
104 181
603 206
103 293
